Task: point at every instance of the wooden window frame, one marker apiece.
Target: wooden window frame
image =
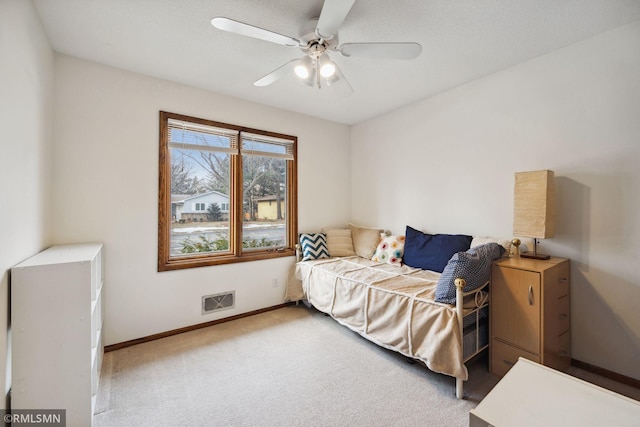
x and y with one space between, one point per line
168 263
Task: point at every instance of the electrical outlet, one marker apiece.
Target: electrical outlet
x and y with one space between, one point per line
274 282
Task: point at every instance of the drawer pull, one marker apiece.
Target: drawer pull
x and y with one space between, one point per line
563 353
530 296
508 363
563 316
564 279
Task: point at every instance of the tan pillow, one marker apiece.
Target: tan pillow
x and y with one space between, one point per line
339 242
365 240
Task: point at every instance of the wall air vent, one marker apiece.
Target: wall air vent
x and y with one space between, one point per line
217 302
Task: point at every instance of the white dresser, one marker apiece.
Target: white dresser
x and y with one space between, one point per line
56 326
533 395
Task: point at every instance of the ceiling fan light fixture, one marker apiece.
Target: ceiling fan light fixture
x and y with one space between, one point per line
327 67
332 79
304 67
301 71
311 79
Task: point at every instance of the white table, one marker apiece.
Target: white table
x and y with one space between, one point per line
531 394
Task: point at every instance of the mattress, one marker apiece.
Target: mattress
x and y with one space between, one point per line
392 306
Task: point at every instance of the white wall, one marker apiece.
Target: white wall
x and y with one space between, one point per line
105 188
26 89
446 165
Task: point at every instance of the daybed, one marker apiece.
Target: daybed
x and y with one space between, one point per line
438 316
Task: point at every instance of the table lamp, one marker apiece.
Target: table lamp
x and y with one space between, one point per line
534 208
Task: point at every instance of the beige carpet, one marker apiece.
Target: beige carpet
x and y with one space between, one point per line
288 367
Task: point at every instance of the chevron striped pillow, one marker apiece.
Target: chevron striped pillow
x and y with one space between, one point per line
314 246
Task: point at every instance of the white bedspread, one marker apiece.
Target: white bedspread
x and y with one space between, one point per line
389 305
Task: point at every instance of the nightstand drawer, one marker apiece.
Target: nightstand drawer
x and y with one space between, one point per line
563 309
563 279
557 322
558 354
504 356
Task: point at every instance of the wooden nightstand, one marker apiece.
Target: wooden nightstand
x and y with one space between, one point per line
530 313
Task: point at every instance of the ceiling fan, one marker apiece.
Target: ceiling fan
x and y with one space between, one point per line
316 68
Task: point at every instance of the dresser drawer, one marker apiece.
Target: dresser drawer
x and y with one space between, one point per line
504 356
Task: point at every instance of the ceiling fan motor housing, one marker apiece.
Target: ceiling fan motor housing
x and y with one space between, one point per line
312 43
315 49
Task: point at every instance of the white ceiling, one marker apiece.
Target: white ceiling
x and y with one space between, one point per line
462 40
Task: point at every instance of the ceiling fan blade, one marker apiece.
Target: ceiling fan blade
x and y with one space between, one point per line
332 16
341 84
237 27
277 74
381 50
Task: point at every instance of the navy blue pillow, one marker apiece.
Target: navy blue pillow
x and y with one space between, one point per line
432 251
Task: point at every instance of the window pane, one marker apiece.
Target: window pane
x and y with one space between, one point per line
221 201
264 203
199 202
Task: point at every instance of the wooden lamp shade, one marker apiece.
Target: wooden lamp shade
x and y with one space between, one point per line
534 207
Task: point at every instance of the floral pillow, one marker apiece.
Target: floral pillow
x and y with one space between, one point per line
390 250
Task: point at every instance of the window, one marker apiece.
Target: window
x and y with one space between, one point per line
216 184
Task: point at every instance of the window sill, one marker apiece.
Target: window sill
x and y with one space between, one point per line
207 260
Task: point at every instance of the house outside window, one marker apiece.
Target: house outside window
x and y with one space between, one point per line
214 181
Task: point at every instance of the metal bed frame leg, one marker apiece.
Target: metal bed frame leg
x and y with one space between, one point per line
460 283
